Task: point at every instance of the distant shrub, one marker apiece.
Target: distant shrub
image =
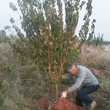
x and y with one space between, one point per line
3 91
3 37
106 42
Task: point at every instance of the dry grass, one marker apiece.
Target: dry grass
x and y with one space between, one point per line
95 57
26 86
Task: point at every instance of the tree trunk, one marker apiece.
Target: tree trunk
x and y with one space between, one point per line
56 86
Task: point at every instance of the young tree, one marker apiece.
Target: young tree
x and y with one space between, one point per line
50 27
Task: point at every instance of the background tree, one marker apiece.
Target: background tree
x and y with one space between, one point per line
106 42
97 41
50 40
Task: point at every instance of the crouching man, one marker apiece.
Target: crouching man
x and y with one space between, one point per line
90 84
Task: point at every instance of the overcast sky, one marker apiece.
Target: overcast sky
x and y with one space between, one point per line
101 12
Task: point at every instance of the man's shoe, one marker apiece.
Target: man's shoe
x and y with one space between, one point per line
92 105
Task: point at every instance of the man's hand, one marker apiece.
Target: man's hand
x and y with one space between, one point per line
64 94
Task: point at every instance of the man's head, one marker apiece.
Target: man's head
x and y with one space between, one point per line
72 69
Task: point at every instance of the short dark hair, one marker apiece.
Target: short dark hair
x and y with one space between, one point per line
70 66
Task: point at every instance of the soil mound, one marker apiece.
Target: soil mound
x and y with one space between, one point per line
64 104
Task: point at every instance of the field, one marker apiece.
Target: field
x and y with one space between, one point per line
22 87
